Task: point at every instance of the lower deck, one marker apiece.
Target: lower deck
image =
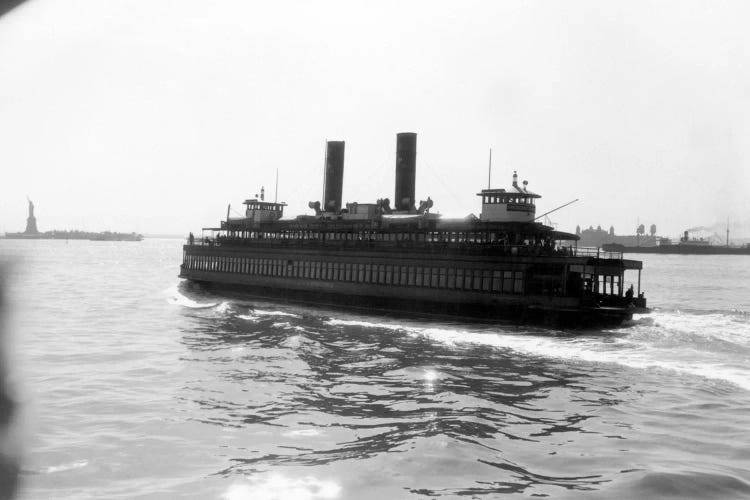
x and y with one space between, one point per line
472 285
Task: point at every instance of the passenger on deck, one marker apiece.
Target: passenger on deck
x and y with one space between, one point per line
629 294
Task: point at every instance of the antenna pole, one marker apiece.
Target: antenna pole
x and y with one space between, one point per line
489 175
556 209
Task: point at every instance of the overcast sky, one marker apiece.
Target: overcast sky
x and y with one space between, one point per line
152 116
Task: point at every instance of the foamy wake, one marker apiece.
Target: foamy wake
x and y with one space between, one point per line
287 326
257 315
640 346
365 324
733 328
248 317
224 307
261 312
175 297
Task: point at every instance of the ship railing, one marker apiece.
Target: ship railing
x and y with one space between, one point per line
595 252
204 242
518 250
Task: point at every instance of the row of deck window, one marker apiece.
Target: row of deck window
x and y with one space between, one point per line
496 199
424 237
485 280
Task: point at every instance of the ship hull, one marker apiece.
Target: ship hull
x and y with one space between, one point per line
342 284
534 310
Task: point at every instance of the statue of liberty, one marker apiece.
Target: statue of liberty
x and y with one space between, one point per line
31 221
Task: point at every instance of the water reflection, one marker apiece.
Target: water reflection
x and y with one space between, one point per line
277 486
311 392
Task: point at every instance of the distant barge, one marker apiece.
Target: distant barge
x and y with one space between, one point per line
502 264
685 246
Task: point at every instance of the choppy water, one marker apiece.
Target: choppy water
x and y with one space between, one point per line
135 386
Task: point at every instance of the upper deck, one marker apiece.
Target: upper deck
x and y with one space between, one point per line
506 227
460 240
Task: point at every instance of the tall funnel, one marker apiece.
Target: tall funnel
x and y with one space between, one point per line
406 170
334 176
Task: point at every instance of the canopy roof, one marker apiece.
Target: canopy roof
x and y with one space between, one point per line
515 190
255 201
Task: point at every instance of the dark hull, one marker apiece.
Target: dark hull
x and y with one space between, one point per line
519 313
479 305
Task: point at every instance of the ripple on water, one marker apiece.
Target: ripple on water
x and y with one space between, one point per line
201 395
688 485
277 486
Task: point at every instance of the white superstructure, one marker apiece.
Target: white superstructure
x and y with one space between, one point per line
512 205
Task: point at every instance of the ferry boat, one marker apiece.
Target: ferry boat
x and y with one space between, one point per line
405 257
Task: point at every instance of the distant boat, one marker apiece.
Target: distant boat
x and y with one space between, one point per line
686 246
110 236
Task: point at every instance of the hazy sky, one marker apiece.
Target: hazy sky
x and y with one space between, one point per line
152 116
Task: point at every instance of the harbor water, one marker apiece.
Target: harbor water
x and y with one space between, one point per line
132 385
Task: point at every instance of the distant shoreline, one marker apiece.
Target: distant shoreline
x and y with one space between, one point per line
60 236
166 236
74 235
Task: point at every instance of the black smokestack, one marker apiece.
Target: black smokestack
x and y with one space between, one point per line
406 170
334 176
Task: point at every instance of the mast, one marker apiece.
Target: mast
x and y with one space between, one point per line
489 174
727 231
276 191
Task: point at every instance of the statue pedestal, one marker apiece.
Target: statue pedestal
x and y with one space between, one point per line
31 226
